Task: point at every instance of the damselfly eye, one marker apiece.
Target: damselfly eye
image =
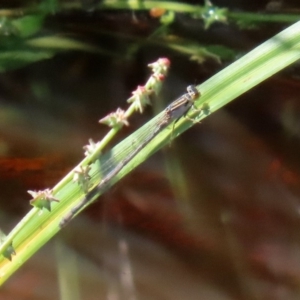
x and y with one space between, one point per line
193 92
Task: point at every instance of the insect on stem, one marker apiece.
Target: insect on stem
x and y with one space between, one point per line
173 112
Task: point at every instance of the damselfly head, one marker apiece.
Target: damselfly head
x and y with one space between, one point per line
193 92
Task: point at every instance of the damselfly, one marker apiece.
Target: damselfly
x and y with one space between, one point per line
172 113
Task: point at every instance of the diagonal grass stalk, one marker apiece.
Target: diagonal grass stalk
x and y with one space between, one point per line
256 66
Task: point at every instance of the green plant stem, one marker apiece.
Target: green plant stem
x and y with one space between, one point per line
254 18
180 7
259 64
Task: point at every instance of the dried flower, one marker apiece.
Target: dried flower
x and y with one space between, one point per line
115 119
42 199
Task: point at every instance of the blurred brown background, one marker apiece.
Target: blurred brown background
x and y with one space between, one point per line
214 216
